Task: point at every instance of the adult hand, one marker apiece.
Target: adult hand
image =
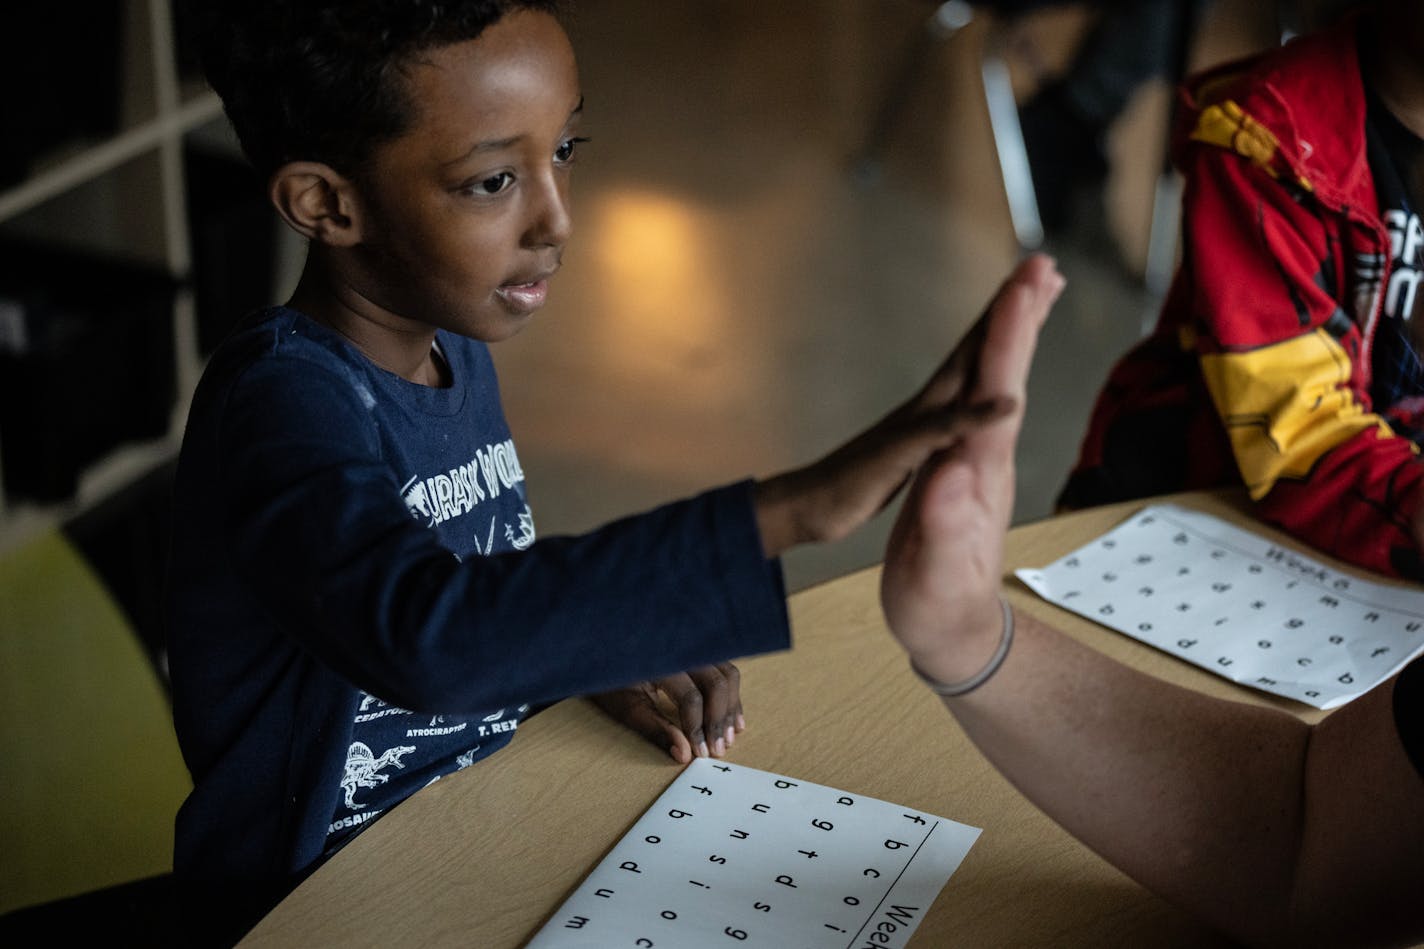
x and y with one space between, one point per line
690 714
944 561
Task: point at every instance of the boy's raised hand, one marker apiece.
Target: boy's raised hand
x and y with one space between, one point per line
828 499
690 714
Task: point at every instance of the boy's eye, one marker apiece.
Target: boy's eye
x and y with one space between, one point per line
492 185
565 152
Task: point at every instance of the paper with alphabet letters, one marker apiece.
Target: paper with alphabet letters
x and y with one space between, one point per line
731 856
1239 605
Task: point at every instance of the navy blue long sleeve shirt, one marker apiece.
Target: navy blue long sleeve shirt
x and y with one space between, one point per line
358 606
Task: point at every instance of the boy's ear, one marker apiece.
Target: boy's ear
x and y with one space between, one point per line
317 201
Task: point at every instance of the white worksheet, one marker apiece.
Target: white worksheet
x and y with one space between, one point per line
1240 605
730 856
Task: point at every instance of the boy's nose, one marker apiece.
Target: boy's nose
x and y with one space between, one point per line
551 224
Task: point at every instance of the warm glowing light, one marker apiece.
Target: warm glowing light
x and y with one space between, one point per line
654 270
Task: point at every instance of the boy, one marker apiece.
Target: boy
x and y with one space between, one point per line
1285 356
358 603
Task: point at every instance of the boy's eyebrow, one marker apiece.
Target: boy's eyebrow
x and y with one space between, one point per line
494 145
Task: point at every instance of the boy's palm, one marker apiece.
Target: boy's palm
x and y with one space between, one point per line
970 391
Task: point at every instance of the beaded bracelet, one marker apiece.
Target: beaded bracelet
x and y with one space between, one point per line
983 675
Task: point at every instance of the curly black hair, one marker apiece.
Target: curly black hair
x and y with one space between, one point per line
319 80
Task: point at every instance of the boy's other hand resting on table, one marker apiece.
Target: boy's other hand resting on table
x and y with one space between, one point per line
972 403
704 718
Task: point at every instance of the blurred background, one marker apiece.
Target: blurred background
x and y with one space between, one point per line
788 214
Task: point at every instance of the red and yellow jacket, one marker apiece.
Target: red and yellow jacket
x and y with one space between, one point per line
1259 368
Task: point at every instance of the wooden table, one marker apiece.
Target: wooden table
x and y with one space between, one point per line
485 856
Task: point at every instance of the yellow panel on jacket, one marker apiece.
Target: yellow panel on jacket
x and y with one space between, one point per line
1288 406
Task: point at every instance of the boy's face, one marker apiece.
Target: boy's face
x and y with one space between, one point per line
466 214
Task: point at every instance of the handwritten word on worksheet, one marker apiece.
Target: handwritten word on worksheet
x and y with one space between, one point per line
1239 605
731 856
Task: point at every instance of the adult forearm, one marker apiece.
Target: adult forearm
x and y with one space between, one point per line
1197 799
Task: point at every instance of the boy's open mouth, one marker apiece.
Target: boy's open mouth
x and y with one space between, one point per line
525 297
